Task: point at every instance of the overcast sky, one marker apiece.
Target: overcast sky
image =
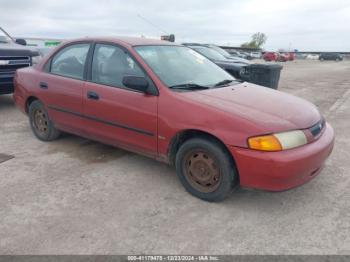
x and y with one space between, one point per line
297 24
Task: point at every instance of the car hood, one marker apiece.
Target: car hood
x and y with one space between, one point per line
230 65
268 109
12 49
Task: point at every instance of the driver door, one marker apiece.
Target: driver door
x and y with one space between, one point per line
116 114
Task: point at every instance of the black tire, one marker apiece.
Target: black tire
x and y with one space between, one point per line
221 185
40 123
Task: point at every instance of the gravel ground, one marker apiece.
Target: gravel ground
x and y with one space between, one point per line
75 196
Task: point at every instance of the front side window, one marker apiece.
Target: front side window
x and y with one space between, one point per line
70 61
176 65
111 63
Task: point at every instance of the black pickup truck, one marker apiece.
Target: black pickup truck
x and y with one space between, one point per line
14 54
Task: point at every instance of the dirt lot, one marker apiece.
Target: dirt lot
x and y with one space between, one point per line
74 196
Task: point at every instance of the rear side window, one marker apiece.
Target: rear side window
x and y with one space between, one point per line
70 61
111 63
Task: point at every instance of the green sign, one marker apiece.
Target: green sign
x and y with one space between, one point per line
52 43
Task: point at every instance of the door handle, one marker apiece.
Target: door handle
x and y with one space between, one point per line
43 85
92 95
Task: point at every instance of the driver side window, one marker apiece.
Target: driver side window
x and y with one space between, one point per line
111 63
70 61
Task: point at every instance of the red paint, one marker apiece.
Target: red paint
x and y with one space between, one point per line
231 114
281 57
270 56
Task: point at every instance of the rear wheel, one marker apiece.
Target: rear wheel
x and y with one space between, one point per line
205 169
40 123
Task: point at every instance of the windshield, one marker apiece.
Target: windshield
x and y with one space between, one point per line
179 65
4 38
210 53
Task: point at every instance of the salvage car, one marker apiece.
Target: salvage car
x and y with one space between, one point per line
13 55
169 102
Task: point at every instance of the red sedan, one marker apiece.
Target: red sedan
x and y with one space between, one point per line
270 56
169 102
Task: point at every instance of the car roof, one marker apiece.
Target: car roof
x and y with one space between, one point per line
132 41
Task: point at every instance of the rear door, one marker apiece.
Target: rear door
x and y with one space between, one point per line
62 85
116 114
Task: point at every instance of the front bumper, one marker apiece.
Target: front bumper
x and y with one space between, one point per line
6 83
278 171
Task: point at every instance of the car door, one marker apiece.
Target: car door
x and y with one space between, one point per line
116 114
62 84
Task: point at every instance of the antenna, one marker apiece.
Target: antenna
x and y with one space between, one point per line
152 24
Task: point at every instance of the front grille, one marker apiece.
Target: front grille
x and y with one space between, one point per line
316 129
9 64
11 58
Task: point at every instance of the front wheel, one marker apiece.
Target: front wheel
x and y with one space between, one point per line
40 123
205 169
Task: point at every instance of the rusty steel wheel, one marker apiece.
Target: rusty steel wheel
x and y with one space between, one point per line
202 171
206 169
40 122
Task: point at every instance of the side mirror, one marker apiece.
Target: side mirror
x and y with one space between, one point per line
138 83
21 41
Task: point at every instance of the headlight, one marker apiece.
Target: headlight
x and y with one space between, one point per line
36 59
278 141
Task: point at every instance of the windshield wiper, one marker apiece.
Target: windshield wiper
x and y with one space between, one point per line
225 82
189 86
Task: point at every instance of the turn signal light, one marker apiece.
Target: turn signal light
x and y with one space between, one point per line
265 143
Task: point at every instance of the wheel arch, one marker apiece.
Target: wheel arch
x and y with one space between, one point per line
182 136
29 101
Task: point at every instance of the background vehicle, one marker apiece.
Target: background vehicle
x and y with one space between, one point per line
238 57
312 56
255 55
235 57
290 56
13 55
232 66
270 56
169 102
236 53
300 56
265 75
282 57
330 56
279 57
